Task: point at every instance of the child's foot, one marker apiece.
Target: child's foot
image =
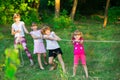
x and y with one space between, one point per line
42 68
45 63
53 67
31 64
87 77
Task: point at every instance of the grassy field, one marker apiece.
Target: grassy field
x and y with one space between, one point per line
103 59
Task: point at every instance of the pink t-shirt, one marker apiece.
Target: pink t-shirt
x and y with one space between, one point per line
78 47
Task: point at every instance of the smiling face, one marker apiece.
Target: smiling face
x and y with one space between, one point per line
77 36
47 32
17 19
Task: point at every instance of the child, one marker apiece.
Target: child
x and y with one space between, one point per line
53 47
38 44
79 53
18 29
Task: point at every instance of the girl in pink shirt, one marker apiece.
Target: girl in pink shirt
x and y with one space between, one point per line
79 53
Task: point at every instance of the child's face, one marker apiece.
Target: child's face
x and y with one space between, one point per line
47 32
17 19
34 27
77 37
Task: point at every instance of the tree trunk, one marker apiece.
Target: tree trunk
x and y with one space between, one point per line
73 9
57 8
106 13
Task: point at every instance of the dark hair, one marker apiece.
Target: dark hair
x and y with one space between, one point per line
34 24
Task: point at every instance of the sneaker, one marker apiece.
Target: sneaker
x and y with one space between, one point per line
31 63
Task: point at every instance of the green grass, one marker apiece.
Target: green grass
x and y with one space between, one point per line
103 59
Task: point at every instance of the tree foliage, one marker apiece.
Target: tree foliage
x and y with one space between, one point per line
25 7
34 10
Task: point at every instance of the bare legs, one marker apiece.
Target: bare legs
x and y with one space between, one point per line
85 69
40 62
74 70
61 62
45 59
53 64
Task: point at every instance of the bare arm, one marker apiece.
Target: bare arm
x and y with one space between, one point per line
25 29
56 37
80 41
49 38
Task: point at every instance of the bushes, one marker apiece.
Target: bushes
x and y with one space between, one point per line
62 22
30 17
24 8
113 14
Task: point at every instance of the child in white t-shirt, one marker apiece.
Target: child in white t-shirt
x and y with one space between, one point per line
53 47
18 29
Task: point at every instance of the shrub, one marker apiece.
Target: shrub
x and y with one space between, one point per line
24 8
113 14
62 22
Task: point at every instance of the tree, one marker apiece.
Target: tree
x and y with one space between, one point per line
106 13
57 8
36 4
73 9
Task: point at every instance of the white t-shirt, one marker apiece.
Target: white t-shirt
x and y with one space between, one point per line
20 28
51 44
37 33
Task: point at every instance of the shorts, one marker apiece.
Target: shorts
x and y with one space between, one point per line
82 58
55 52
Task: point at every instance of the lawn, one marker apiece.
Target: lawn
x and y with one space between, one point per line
103 59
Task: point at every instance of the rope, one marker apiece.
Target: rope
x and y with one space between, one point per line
97 41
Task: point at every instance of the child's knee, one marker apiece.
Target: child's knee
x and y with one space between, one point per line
50 62
75 66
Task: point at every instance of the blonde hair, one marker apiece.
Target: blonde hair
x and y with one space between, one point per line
44 29
16 15
77 32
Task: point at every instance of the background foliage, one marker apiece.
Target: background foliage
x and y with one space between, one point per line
40 10
102 58
24 7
